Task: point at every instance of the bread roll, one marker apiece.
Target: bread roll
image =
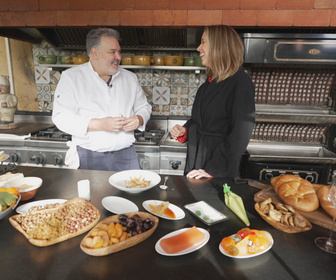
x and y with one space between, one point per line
296 192
327 206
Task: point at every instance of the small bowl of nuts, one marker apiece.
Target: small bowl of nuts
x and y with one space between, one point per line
27 186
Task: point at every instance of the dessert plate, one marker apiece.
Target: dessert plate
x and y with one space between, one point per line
179 213
119 205
25 207
246 256
193 248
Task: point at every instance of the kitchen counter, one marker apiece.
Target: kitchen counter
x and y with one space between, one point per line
293 256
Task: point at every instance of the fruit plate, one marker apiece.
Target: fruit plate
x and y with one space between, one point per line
68 215
283 227
179 213
9 209
246 256
191 249
118 179
132 241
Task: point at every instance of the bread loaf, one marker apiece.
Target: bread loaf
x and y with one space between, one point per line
296 192
327 206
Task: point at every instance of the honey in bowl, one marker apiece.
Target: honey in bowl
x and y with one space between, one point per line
162 210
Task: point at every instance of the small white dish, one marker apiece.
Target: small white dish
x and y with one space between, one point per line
119 205
25 207
179 213
193 248
206 213
117 180
246 256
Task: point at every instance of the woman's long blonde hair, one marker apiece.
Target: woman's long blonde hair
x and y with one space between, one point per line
226 52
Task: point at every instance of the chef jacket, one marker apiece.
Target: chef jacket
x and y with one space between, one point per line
82 95
221 125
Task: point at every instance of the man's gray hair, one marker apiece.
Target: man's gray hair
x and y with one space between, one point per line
94 35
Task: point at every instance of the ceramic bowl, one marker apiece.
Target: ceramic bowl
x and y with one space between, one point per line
80 59
188 61
27 186
157 61
141 60
198 61
4 213
126 60
47 59
173 60
65 59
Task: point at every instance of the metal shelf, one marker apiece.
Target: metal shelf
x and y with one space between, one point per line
180 68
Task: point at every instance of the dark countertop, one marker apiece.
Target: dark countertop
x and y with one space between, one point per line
293 256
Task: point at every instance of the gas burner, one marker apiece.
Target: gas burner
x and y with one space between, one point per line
149 137
51 134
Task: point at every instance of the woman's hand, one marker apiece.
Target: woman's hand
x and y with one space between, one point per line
198 174
177 131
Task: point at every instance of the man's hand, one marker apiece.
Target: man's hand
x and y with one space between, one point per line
132 123
111 124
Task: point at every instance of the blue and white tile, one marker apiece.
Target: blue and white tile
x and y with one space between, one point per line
42 75
178 110
43 92
161 95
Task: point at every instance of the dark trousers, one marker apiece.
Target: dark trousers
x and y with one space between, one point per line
125 159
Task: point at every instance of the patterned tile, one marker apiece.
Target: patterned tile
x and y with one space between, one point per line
44 92
145 77
55 77
180 78
161 78
160 110
179 96
42 75
148 93
161 95
192 94
178 110
189 110
45 106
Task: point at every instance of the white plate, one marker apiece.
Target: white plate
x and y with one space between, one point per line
119 205
117 180
179 213
206 213
25 207
247 256
195 247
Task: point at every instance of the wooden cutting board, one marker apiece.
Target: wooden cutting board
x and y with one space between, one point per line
318 217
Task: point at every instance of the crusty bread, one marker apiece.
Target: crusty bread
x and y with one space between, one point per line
296 192
322 194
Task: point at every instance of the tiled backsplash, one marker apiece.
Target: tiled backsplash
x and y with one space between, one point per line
170 92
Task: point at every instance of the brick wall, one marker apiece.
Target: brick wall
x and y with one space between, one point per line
239 13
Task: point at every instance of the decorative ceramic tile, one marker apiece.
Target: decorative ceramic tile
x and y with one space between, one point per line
178 110
43 92
161 78
160 110
45 106
189 110
161 95
180 78
54 77
149 94
179 96
192 94
145 77
42 75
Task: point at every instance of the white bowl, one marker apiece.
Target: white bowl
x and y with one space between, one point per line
34 182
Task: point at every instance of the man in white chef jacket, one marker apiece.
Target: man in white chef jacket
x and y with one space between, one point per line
101 105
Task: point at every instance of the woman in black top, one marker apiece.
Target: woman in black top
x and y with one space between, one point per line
223 112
